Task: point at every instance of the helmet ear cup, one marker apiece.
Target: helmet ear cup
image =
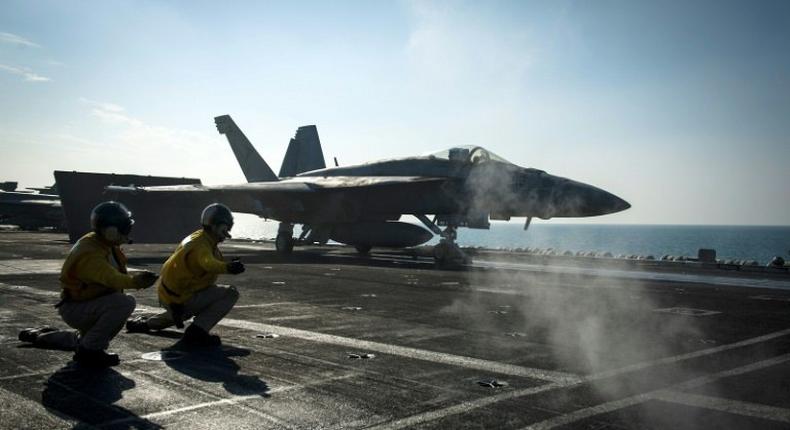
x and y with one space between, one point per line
219 230
224 230
112 220
111 234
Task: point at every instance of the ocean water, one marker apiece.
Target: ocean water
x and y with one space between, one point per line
759 243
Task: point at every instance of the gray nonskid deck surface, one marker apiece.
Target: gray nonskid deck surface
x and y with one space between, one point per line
493 346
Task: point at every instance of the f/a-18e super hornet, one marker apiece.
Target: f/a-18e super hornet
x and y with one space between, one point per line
359 205
30 210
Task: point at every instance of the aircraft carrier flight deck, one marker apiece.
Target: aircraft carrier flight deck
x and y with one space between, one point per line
329 339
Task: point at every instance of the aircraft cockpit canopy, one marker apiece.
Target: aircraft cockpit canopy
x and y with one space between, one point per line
467 154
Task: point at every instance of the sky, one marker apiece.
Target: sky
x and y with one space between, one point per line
680 107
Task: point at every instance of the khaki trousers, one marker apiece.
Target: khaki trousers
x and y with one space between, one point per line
208 306
97 320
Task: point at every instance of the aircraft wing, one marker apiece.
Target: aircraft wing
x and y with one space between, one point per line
269 198
31 203
297 185
30 214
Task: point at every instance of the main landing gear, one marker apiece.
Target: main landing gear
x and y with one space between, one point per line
446 253
285 240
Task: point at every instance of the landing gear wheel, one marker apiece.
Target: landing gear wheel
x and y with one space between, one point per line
284 244
363 249
446 253
440 253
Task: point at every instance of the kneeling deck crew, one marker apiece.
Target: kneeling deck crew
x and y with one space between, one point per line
93 278
187 286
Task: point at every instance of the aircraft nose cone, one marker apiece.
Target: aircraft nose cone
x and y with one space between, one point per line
576 199
619 204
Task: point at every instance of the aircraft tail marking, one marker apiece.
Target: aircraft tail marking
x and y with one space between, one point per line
304 153
253 166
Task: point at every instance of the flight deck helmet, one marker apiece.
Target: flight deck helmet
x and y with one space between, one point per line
216 214
112 220
217 219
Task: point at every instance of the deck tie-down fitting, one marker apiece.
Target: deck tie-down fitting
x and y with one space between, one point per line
361 356
492 383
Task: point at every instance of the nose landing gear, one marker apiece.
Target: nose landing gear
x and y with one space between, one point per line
446 254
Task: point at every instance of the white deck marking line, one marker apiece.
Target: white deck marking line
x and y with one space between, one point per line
232 401
648 275
607 407
589 412
227 401
266 305
292 318
22 375
707 379
91 399
488 366
420 354
250 247
530 290
49 372
404 351
307 335
730 406
32 290
20 267
466 406
690 355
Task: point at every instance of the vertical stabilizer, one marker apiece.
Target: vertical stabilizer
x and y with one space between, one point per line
304 153
253 166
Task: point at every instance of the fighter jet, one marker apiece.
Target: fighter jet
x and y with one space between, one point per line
360 205
30 211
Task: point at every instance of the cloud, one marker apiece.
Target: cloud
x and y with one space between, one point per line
167 151
455 46
14 39
102 107
133 132
113 114
28 74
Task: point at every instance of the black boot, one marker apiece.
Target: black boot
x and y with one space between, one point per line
95 358
138 325
31 334
195 336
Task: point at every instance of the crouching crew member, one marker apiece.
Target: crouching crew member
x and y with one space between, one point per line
187 286
93 279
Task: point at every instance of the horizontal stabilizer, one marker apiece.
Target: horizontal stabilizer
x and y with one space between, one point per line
253 166
157 220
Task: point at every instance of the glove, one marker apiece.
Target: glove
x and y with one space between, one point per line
144 279
235 267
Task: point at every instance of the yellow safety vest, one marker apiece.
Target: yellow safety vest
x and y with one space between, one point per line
93 268
193 266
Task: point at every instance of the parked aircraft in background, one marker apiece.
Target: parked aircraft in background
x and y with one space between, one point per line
360 205
30 210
